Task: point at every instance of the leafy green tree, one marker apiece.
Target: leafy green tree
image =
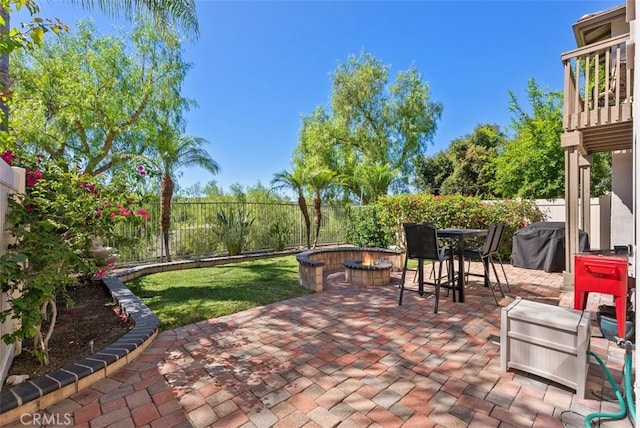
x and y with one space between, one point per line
165 14
466 166
261 194
173 153
93 100
296 180
531 164
193 191
601 174
30 35
370 120
212 190
472 158
432 171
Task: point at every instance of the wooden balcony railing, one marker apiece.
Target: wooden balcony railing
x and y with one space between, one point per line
597 84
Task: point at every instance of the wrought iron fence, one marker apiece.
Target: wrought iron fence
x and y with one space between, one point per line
194 229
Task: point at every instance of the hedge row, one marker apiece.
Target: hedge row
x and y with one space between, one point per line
379 224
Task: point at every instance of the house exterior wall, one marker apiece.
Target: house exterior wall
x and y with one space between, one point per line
621 198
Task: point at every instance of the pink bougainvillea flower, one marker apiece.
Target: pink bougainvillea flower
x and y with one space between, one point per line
100 273
8 156
90 187
111 265
123 211
112 215
33 175
99 211
144 214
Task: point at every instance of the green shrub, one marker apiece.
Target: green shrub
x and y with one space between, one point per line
279 233
188 240
367 229
380 223
232 228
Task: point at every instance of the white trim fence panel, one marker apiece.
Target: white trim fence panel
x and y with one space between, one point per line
12 180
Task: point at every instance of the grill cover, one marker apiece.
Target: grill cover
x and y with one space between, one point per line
540 246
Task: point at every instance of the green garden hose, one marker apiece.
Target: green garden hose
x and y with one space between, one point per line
628 359
621 400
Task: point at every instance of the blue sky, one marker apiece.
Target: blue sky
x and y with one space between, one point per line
258 66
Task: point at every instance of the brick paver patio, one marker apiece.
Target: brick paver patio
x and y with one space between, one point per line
348 357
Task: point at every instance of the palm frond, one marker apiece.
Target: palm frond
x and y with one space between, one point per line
163 12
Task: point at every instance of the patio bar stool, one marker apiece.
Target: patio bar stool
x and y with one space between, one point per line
422 244
485 255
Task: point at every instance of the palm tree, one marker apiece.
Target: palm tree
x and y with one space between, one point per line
319 181
163 12
296 180
175 152
372 180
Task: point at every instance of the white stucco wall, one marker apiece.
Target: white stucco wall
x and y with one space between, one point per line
622 220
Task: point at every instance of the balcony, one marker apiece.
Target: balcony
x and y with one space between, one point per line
598 94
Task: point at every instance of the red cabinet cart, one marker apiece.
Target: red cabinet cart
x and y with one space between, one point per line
602 273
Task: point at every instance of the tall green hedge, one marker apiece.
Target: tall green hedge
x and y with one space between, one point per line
366 228
380 223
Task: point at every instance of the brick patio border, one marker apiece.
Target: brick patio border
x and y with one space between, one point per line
40 393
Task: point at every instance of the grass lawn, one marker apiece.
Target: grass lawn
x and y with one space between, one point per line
186 296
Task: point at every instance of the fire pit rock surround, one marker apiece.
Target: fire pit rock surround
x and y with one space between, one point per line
367 273
313 263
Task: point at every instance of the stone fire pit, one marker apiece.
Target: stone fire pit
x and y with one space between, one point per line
313 264
357 272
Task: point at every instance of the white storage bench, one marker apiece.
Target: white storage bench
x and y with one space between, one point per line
548 341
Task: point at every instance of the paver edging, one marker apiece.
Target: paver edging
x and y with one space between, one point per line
37 394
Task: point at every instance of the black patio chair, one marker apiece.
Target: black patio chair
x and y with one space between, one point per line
422 244
490 249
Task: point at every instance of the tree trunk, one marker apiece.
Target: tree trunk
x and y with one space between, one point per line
317 205
40 341
166 194
302 203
